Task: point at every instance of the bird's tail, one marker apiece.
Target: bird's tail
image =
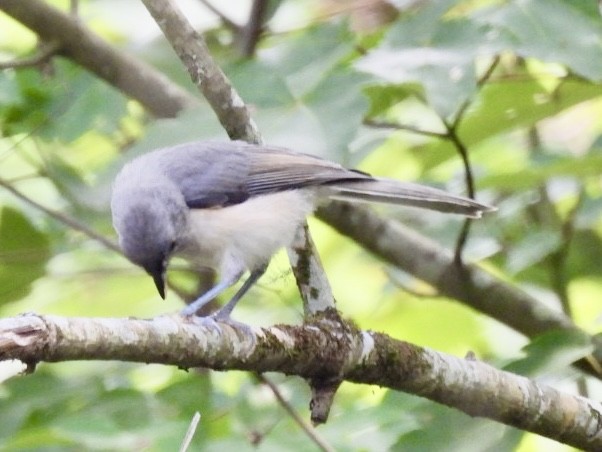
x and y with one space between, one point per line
405 193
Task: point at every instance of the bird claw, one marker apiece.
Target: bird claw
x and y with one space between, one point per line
206 322
212 322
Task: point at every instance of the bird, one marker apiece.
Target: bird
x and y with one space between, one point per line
231 205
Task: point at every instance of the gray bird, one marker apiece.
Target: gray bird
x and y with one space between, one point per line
231 205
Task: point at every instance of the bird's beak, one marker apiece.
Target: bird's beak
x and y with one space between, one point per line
158 274
160 283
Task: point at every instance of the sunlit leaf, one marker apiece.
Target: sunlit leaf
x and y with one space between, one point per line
551 30
552 351
24 251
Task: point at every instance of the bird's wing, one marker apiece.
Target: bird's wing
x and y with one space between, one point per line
219 174
275 169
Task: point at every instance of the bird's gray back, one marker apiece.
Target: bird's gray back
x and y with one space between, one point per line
218 174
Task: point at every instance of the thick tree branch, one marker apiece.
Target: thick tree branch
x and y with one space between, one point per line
501 300
434 264
314 351
504 303
470 284
132 76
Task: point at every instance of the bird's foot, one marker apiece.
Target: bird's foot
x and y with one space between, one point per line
213 322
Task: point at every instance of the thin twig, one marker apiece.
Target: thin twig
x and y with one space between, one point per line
74 7
413 292
45 53
306 427
190 432
485 77
392 125
557 259
469 180
251 32
559 276
225 19
71 222
452 134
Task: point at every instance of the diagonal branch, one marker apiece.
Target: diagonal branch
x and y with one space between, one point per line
470 284
251 32
236 119
229 23
312 351
71 222
75 41
43 55
454 137
190 47
307 428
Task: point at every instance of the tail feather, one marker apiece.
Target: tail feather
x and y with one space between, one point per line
404 193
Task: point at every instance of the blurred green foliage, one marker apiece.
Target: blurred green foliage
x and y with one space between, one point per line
521 80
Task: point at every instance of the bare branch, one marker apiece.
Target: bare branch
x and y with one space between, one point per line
135 78
251 32
205 73
310 276
62 218
392 125
501 300
311 432
312 351
225 19
45 53
427 260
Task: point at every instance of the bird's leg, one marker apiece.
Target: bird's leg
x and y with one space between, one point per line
197 304
224 313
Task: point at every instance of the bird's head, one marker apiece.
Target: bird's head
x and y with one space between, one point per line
150 226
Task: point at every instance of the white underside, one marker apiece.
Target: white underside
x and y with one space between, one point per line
245 236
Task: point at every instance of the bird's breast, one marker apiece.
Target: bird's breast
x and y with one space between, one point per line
249 232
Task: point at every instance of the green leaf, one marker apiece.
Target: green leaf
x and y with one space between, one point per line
295 59
445 429
508 105
584 254
24 252
26 109
556 31
63 106
28 405
89 104
383 97
511 104
551 352
437 52
534 246
66 178
538 172
259 84
337 96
